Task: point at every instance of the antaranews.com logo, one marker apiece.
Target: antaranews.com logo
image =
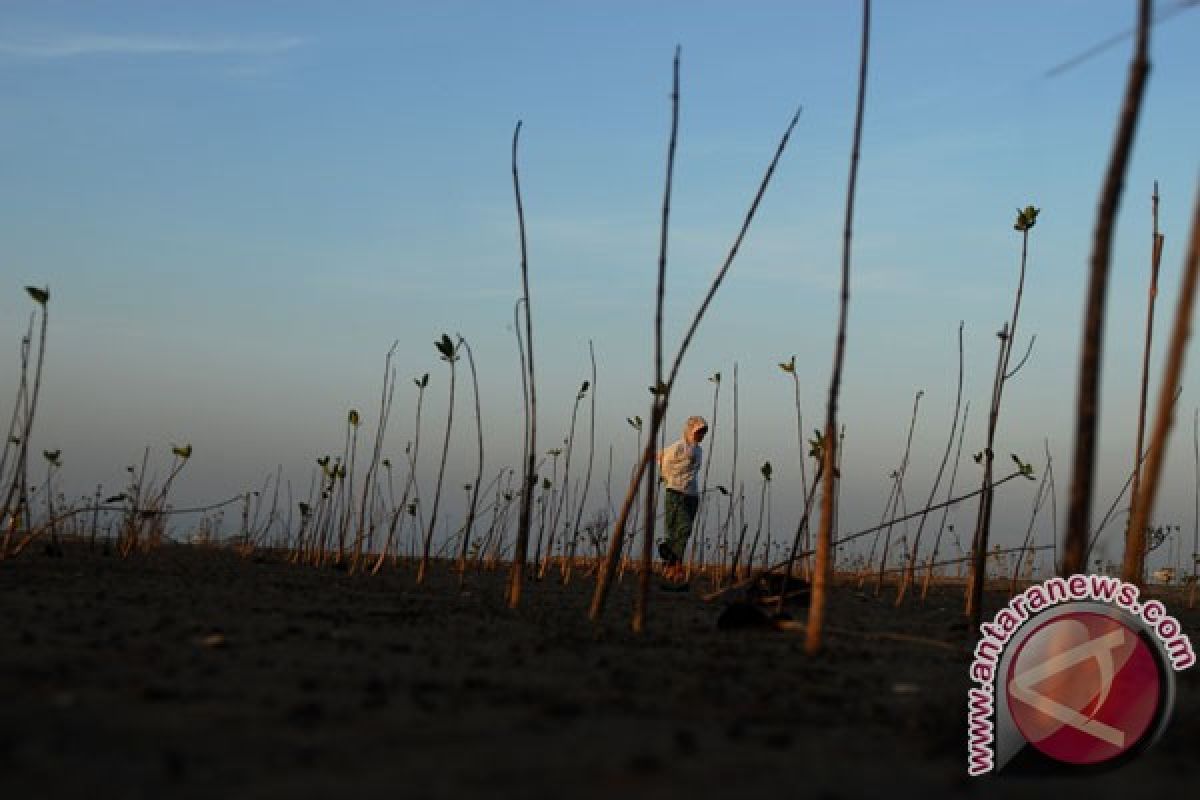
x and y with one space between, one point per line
1075 672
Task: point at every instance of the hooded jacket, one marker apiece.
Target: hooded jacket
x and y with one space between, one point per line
680 461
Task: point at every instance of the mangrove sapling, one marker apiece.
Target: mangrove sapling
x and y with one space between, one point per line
411 450
587 481
816 452
273 514
737 554
324 512
529 389
636 423
1053 508
1135 556
348 449
448 352
658 390
909 574
1116 501
562 498
1143 503
1196 517
462 560
837 497
1026 219
789 367
767 548
53 462
899 486
11 516
422 384
541 511
1039 498
617 544
504 492
131 525
1156 244
18 485
888 512
1087 409
1023 471
733 471
698 537
762 504
12 441
369 483
824 550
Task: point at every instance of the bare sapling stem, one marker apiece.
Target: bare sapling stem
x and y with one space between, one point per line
395 527
889 511
448 351
1039 498
1137 563
1026 219
466 541
789 367
528 479
802 528
1156 243
887 539
566 482
587 480
937 541
1164 416
698 538
17 490
842 540
762 505
385 402
12 442
1112 508
346 464
912 560
616 547
822 573
659 398
1087 412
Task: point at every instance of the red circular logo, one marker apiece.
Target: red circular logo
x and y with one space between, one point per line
1083 688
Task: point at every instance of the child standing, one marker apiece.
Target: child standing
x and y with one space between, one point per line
680 464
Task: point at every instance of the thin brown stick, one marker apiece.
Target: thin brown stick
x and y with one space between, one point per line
466 542
910 573
887 540
1087 412
659 403
1026 219
850 537
587 480
825 551
521 547
1156 242
1164 416
603 582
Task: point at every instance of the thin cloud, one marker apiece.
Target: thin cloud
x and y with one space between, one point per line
83 45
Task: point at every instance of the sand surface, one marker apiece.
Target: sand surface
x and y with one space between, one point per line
192 672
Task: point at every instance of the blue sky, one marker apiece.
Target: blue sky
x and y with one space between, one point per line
238 207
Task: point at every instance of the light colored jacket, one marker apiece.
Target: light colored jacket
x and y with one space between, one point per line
680 461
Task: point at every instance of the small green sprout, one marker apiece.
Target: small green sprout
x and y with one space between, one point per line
40 296
1026 218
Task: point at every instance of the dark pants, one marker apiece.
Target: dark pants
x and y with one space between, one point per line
680 513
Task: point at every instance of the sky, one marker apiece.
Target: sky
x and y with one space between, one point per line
239 207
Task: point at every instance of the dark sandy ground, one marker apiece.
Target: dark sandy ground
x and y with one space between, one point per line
192 672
